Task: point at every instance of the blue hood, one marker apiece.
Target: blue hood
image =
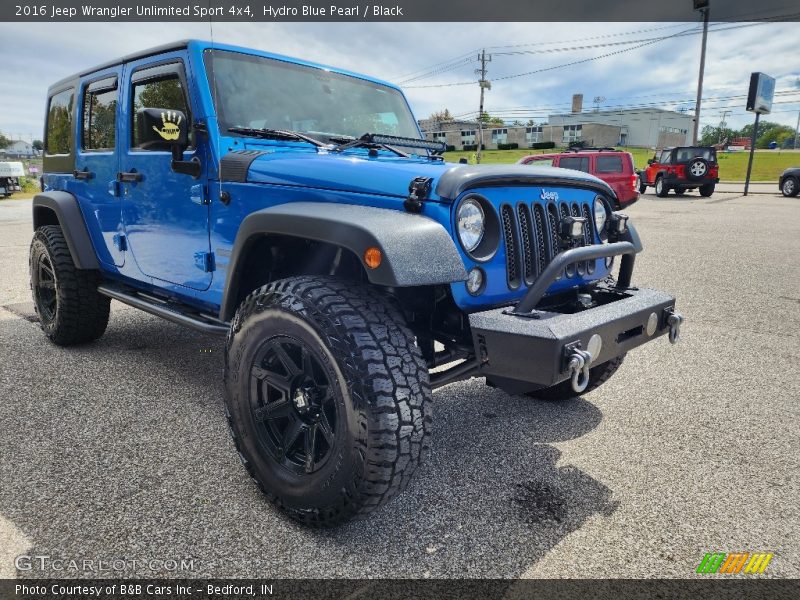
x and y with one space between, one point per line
382 176
390 176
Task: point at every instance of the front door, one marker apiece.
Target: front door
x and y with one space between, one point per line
165 216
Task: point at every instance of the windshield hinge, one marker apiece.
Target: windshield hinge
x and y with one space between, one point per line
418 190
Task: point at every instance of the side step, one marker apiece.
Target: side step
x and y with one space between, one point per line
170 312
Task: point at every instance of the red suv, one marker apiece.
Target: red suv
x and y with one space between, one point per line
681 169
615 167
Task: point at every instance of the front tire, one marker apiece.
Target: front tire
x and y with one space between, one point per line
563 391
706 190
327 396
790 187
661 188
70 309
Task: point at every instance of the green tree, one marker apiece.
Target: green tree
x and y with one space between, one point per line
490 120
4 141
442 116
37 145
773 133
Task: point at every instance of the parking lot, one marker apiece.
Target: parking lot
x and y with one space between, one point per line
119 449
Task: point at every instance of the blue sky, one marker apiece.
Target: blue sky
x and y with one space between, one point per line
662 73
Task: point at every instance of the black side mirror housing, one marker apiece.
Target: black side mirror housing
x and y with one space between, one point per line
650 161
166 129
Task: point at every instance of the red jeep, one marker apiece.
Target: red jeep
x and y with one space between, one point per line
680 169
615 167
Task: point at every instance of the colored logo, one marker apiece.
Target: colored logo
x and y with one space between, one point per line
170 130
735 562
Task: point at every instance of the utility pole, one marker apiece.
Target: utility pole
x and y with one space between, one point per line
484 85
704 8
797 130
725 114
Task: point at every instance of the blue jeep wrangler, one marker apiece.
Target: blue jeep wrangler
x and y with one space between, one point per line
297 210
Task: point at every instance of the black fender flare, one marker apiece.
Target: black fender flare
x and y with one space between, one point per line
416 250
68 214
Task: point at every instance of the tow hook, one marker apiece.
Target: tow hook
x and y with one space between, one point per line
578 365
674 320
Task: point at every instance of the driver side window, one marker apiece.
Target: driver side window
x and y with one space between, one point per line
665 156
164 92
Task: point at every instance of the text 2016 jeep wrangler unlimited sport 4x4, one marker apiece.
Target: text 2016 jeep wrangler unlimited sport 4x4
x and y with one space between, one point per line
297 210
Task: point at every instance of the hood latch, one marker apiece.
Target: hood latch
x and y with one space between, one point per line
418 190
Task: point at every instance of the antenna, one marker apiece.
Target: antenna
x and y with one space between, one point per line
598 100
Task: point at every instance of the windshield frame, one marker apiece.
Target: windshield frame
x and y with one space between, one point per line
223 125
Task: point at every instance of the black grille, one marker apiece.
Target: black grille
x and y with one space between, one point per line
510 235
531 237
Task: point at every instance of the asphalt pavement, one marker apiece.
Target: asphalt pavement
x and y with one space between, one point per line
118 450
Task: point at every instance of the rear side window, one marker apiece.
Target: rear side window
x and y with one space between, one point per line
541 162
59 123
165 92
99 118
609 164
579 163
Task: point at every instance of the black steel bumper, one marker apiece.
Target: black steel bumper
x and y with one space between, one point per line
541 348
536 349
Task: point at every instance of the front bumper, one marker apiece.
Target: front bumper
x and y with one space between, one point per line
525 348
536 348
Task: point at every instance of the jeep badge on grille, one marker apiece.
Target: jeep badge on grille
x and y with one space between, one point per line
549 195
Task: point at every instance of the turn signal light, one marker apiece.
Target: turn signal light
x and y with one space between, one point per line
373 257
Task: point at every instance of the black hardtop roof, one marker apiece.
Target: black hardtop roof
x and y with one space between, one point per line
177 45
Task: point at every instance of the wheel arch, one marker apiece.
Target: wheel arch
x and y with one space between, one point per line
62 209
314 238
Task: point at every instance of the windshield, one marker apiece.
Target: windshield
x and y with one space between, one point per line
252 91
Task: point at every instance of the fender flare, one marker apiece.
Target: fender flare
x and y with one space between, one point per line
68 213
416 249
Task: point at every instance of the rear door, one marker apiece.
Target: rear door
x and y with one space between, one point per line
165 215
611 168
97 161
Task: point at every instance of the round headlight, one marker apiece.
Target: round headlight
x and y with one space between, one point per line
600 216
471 224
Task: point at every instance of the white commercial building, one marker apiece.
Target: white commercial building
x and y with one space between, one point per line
640 127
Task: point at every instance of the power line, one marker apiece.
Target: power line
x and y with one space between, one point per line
647 42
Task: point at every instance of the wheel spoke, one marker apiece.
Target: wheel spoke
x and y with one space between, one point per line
47 285
273 410
307 363
291 434
277 381
285 359
310 443
325 428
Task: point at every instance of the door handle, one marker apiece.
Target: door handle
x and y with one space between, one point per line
129 176
85 174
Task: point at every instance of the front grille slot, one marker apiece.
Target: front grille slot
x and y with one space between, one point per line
512 246
589 236
526 238
581 266
541 237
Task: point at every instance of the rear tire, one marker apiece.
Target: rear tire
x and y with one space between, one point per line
707 189
642 186
661 188
790 187
70 309
563 391
327 397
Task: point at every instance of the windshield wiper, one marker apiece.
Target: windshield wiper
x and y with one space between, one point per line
380 140
345 143
276 134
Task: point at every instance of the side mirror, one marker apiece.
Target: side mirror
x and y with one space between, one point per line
650 161
161 129
165 129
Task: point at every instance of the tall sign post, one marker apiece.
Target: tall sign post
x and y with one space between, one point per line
704 8
759 101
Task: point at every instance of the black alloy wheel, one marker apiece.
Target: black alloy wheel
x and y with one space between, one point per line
292 404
